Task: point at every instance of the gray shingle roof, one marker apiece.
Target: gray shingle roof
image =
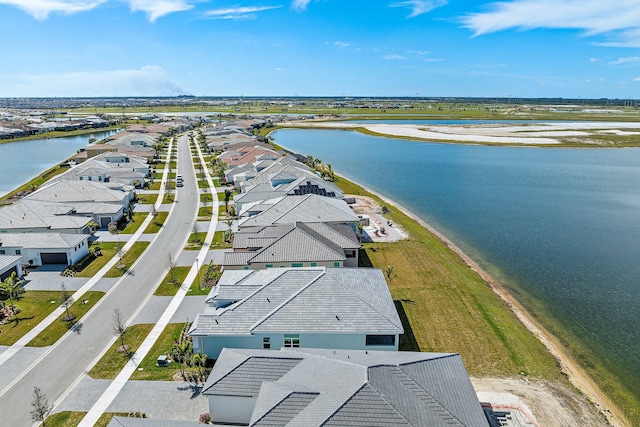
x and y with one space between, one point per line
355 388
299 300
149 422
47 216
77 191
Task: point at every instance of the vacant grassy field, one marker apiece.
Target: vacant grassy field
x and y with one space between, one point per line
168 289
156 224
112 362
128 259
35 305
449 308
60 327
150 369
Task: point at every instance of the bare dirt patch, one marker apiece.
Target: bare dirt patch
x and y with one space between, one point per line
542 402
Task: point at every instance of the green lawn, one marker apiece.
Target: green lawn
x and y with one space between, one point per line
112 362
169 198
155 185
35 305
203 183
167 288
148 199
150 369
128 259
206 197
108 250
106 418
59 327
65 419
156 224
194 289
196 240
204 213
447 307
135 223
218 241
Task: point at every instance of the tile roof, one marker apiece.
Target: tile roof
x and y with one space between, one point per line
287 299
77 191
309 208
43 240
8 261
349 387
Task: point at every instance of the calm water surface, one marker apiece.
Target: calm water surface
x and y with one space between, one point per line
560 226
24 160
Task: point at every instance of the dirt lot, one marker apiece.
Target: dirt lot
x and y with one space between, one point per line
548 404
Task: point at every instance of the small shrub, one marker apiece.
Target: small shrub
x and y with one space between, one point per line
205 418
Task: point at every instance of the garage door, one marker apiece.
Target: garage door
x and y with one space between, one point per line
8 273
54 258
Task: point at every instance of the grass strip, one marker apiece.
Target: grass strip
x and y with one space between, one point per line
110 365
35 306
108 250
156 224
128 259
448 307
166 287
65 419
150 370
135 223
218 241
59 327
196 240
204 213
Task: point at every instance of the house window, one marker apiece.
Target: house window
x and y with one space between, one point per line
246 267
89 178
336 264
2 252
80 178
18 252
314 264
297 264
266 343
268 266
381 340
351 254
292 340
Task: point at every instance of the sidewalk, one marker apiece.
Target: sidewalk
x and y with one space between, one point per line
116 386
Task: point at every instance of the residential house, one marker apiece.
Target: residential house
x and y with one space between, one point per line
347 308
309 208
293 245
45 248
325 387
30 216
73 192
9 264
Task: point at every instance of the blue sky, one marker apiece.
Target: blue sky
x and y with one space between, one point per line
517 48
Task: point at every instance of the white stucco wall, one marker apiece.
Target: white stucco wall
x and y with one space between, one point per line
212 346
231 409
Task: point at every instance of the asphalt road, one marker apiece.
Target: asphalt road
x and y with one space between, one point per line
71 357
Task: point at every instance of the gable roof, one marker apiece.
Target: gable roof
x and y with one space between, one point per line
77 191
42 240
349 387
297 242
284 299
309 208
47 216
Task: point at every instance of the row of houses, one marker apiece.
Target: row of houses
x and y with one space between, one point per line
16 127
53 224
300 334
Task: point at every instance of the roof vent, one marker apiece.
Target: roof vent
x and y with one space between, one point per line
337 317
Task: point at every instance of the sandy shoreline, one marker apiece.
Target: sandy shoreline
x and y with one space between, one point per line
542 134
574 372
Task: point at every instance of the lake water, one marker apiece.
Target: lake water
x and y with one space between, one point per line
560 226
24 160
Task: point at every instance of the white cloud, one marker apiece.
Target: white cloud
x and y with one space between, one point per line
637 79
40 9
341 45
625 60
418 7
419 52
238 12
592 60
628 38
158 8
300 4
592 16
150 80
395 57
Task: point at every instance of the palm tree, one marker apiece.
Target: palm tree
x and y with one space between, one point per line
227 196
181 352
12 288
